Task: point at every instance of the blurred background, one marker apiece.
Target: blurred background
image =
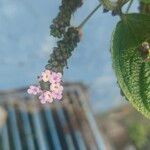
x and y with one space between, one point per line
26 44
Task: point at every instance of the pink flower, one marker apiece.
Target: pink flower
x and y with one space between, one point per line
48 96
55 90
56 87
55 77
57 96
34 90
46 75
42 98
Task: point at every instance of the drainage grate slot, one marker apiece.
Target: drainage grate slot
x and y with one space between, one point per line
66 125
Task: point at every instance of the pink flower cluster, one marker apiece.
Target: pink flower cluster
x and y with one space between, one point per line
55 89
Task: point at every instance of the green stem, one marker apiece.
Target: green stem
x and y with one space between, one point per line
129 6
89 16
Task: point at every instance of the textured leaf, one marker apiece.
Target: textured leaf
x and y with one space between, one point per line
144 7
145 1
133 73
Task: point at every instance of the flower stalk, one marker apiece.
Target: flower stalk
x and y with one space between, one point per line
88 17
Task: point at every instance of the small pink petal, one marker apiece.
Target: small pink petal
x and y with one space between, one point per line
47 72
41 96
48 96
59 75
32 87
61 88
29 91
43 101
46 75
34 90
55 77
50 100
59 97
56 87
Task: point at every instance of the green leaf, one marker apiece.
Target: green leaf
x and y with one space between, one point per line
144 7
133 73
145 1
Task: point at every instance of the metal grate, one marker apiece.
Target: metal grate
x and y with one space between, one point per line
66 125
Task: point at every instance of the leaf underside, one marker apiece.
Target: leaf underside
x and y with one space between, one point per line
133 73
